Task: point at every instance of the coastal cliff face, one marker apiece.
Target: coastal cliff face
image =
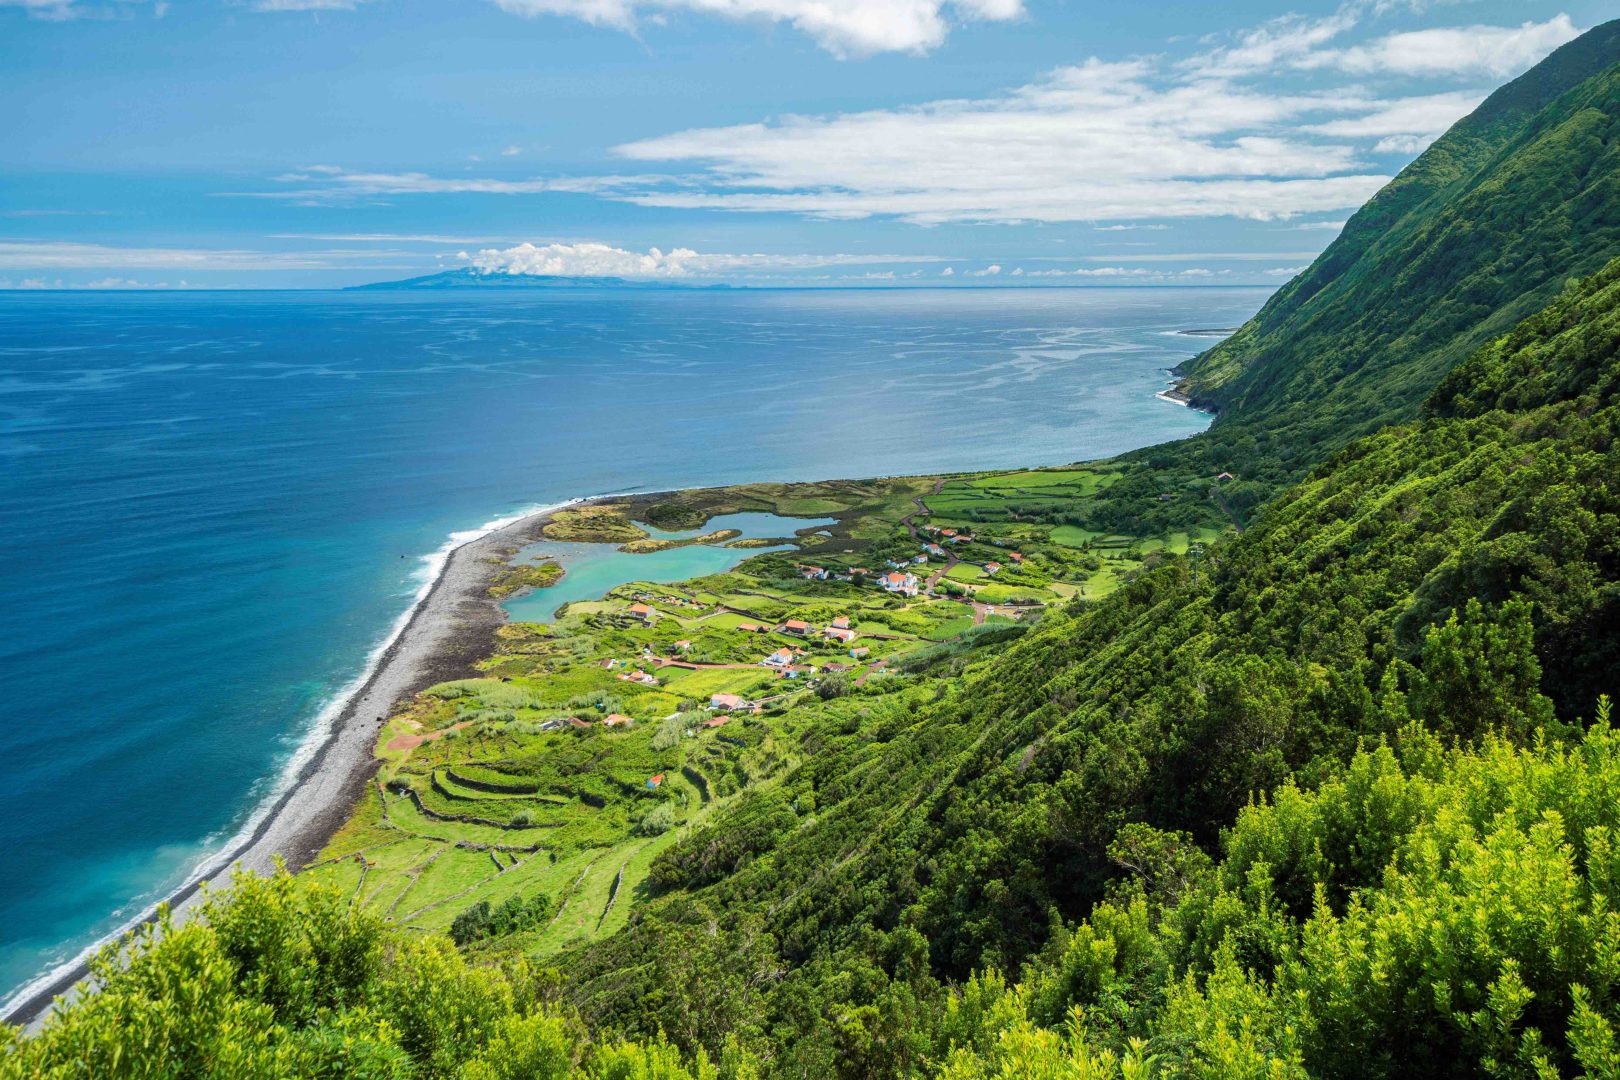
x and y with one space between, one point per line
1337 798
1484 228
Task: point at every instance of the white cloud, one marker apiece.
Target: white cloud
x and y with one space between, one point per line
1286 271
591 259
1130 228
66 10
1111 141
1404 144
949 271
128 283
1097 141
1279 42
102 283
1426 116
326 183
578 259
1115 144
1188 256
843 27
512 151
1302 43
1127 272
1497 51
43 9
391 238
990 271
70 255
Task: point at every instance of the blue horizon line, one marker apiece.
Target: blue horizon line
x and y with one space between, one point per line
609 288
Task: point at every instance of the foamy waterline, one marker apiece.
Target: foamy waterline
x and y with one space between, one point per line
321 729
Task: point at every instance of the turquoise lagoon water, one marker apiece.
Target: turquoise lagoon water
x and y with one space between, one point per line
213 507
594 569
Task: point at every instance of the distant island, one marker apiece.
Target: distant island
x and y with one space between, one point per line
1283 750
469 278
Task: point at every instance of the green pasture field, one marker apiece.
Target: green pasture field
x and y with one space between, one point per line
572 798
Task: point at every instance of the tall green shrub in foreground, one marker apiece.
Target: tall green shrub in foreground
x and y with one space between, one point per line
1426 913
280 977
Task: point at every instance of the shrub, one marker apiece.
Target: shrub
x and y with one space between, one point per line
657 821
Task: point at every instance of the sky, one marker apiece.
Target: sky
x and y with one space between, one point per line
323 143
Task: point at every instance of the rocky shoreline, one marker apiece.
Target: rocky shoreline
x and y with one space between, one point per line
450 628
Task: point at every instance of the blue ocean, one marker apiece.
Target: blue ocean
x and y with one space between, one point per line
214 506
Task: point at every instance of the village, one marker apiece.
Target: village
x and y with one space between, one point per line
588 743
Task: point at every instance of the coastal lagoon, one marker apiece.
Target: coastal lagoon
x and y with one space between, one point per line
214 506
593 569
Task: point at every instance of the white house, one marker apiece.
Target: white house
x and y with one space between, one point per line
897 582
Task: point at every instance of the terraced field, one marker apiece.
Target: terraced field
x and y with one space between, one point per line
1032 488
586 748
564 817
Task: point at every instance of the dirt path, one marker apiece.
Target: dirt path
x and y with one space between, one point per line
691 665
1215 497
934 578
922 508
908 522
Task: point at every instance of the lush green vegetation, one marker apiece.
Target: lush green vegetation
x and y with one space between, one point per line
503 789
1381 650
1333 794
1482 230
525 576
282 979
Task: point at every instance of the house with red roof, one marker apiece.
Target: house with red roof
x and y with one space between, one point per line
897 582
781 658
727 702
796 626
643 612
617 720
840 634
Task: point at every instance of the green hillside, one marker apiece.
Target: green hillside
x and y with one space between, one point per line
1420 591
1481 230
1336 796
